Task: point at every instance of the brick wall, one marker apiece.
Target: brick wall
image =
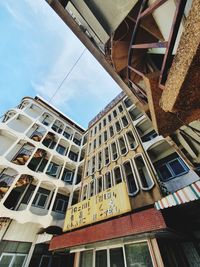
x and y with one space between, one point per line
136 223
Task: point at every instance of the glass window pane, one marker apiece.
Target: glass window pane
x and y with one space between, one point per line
118 176
45 261
177 167
116 257
6 260
164 172
86 259
144 175
19 260
42 200
132 186
101 258
138 255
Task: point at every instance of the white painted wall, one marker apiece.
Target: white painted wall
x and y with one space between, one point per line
21 232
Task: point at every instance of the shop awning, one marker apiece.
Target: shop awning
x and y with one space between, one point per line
184 195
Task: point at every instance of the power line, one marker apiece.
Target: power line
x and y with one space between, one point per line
67 75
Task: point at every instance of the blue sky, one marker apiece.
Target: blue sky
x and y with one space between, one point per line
37 50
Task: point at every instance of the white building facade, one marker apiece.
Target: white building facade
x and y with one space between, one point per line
41 159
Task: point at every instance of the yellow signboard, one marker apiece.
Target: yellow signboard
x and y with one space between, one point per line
111 202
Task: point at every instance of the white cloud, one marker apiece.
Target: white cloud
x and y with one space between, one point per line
20 20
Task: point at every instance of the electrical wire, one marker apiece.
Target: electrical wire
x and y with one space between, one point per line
67 75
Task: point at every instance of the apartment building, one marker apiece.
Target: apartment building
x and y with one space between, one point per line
41 162
132 176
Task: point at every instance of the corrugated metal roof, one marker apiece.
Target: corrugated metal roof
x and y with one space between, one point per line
184 195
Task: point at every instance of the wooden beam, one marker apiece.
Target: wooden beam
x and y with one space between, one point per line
152 7
150 45
136 71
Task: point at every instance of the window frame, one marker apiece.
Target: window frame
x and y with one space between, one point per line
134 175
113 173
138 175
51 166
38 199
14 255
109 159
126 138
71 175
124 116
118 143
120 124
111 150
111 179
63 205
167 164
97 184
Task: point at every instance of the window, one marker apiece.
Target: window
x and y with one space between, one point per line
95 129
120 108
114 151
131 140
12 260
99 160
61 205
114 113
170 168
116 257
124 121
94 144
128 102
149 136
45 261
135 113
106 156
73 156
104 122
101 258
56 128
108 180
93 164
99 140
41 197
118 126
67 175
117 175
66 135
138 255
84 192
145 179
77 141
105 136
122 145
87 168
111 131
92 187
109 118
130 178
53 169
61 149
86 259
45 122
100 126
99 184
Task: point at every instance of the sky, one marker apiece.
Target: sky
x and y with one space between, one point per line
36 52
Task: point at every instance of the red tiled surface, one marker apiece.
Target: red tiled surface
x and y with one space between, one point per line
140 222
